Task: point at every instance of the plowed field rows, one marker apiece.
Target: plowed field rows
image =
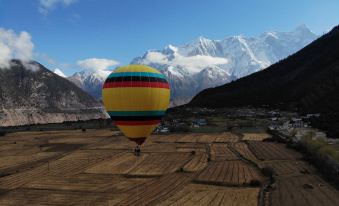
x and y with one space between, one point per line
55 168
156 190
160 163
222 152
7 162
244 151
87 182
231 173
206 138
122 163
197 163
226 137
304 190
272 151
288 167
255 136
188 138
167 138
34 197
201 195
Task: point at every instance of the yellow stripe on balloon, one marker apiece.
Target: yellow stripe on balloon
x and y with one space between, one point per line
136 68
136 99
137 131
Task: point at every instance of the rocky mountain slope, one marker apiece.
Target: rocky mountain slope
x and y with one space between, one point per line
39 96
90 81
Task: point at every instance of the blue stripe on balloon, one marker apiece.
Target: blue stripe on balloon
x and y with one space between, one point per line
144 74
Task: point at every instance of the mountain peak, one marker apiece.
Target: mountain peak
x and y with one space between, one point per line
303 29
202 39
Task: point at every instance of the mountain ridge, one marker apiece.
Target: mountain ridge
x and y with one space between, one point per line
187 66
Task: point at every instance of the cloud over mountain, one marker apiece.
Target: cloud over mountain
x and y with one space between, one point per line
96 64
15 46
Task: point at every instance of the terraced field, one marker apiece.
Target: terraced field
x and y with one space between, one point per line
221 152
288 167
195 194
244 151
156 190
97 167
229 173
160 164
304 190
272 151
255 136
197 163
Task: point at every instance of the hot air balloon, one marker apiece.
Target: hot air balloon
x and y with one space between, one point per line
136 98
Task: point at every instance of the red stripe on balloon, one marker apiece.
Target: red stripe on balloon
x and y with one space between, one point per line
134 123
136 84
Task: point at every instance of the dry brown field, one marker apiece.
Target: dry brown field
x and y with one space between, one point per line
255 136
272 151
244 151
98 167
303 190
288 167
196 194
156 190
197 163
229 173
221 152
160 164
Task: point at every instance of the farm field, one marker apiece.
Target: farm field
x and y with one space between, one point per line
304 190
229 173
255 136
288 167
221 151
272 151
196 194
98 167
244 151
197 163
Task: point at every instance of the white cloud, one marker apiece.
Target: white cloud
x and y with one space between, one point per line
15 46
157 57
59 72
48 5
95 64
193 63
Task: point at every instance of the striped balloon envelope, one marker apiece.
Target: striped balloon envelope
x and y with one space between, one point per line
136 97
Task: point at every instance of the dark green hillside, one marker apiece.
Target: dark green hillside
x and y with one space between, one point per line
307 81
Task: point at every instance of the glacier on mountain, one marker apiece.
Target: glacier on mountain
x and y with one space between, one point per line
206 63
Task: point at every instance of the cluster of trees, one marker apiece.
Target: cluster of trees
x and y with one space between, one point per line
323 156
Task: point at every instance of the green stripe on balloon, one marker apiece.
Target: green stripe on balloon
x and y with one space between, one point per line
143 74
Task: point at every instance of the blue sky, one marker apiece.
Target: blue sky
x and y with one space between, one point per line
66 31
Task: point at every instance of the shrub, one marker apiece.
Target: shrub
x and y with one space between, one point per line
255 183
267 171
3 133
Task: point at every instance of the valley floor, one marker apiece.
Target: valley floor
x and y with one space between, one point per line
95 167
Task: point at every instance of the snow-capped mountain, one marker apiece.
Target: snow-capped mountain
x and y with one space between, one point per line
208 63
90 81
59 72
